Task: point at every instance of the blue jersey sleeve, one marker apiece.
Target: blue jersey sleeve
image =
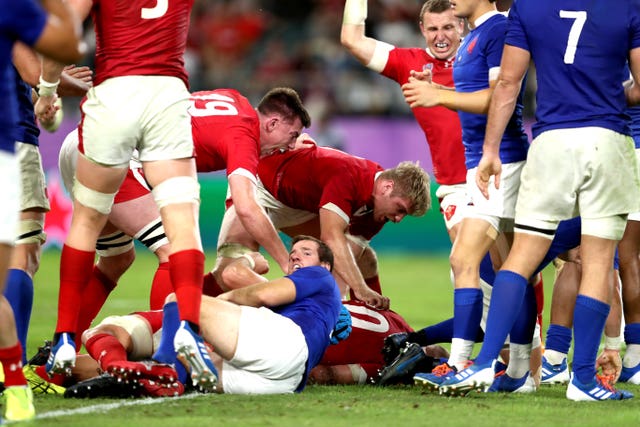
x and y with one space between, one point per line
25 19
515 33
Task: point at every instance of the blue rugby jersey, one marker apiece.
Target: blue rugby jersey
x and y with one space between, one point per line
579 49
480 51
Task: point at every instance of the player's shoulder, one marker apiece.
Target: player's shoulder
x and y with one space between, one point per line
410 53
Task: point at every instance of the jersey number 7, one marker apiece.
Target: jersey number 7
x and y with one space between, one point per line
580 17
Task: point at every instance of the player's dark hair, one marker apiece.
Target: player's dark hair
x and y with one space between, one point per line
287 103
434 6
325 254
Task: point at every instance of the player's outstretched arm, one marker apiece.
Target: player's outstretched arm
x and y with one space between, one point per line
370 52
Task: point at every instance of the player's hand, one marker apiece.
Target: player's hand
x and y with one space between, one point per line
419 93
46 108
304 141
51 120
82 73
372 298
610 363
262 265
342 330
425 75
490 165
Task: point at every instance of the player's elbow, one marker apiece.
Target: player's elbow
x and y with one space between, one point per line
349 39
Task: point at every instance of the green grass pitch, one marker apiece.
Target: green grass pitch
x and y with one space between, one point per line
420 290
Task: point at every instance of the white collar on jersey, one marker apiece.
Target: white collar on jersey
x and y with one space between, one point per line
449 59
484 18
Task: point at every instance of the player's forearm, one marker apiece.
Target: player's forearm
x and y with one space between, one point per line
258 225
269 294
503 102
345 266
51 71
471 102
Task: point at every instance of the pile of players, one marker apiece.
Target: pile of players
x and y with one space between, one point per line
510 206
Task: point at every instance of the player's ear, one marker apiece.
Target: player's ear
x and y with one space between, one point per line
388 186
271 124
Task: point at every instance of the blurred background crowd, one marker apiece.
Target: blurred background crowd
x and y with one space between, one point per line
254 45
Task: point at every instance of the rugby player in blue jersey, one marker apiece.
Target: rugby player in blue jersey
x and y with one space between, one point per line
581 161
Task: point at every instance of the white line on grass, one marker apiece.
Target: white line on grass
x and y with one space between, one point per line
111 406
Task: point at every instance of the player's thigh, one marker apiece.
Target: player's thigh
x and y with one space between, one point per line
474 239
133 215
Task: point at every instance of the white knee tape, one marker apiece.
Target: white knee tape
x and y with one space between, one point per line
93 199
140 332
181 189
30 231
113 244
358 373
232 250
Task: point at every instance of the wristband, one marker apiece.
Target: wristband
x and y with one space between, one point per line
46 88
249 258
613 343
355 12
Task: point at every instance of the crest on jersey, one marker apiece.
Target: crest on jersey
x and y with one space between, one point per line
472 44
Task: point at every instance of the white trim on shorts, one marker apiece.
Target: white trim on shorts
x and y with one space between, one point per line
270 356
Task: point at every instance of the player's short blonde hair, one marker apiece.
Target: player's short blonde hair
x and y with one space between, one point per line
412 182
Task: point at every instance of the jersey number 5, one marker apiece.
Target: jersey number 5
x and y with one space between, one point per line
579 17
155 12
